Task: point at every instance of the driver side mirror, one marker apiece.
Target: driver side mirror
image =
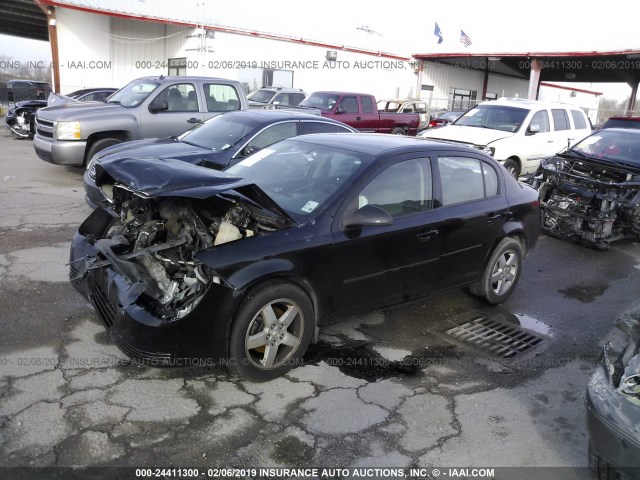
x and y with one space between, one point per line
533 129
160 106
369 215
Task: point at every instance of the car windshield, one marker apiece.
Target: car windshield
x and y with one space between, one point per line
262 96
134 93
218 133
300 177
614 145
450 116
323 101
496 117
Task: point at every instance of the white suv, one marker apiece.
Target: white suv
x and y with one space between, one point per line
517 132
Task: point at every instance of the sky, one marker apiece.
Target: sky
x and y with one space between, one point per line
494 26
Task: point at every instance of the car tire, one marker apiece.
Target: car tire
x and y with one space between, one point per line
99 145
271 331
501 273
512 167
398 131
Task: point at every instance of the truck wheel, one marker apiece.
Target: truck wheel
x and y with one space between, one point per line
512 167
99 145
271 331
398 131
502 272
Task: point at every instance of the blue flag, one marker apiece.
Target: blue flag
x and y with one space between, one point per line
438 33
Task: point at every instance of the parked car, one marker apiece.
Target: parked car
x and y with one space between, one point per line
409 105
622 122
613 407
84 95
361 112
445 118
276 96
21 90
240 267
72 133
20 117
517 132
218 143
591 192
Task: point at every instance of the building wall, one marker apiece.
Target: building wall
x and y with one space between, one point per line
507 86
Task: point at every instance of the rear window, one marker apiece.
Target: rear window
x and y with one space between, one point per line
560 119
578 119
367 104
619 123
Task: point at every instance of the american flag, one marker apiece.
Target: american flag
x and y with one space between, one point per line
464 38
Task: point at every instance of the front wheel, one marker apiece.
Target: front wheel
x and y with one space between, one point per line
100 145
502 272
271 331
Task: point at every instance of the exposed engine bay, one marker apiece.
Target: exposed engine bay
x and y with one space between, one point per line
588 201
22 118
153 244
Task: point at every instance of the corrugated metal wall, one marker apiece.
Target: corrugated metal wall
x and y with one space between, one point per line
507 86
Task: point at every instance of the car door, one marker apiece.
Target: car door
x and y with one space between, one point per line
474 210
386 264
174 110
539 141
369 119
563 134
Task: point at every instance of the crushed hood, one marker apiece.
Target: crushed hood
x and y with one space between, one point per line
464 134
152 177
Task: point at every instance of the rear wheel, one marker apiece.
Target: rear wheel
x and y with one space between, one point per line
271 331
512 167
398 131
502 272
99 145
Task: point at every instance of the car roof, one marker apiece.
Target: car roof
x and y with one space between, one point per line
630 131
259 116
527 102
190 78
342 93
283 89
628 119
376 144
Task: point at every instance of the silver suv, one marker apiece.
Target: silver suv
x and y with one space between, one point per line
149 107
276 96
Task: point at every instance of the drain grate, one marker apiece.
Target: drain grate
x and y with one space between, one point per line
494 337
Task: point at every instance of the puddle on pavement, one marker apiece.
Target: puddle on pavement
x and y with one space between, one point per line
361 361
534 324
584 293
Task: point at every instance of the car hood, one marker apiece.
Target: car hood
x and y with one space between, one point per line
160 148
78 111
464 134
151 177
57 99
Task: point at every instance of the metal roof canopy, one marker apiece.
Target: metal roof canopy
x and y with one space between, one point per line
613 66
23 18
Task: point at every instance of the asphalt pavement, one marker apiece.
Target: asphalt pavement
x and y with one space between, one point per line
392 388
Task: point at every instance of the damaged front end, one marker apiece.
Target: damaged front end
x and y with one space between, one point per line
138 263
613 404
588 201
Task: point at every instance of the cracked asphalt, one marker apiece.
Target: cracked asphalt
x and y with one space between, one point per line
390 388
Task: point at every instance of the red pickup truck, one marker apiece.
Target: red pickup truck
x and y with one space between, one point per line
360 111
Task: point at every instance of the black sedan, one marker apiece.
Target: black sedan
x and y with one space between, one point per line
240 267
218 143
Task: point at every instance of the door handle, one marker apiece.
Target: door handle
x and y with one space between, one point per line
358 118
493 216
426 236
194 120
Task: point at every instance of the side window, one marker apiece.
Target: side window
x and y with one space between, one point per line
274 134
421 108
180 97
578 120
349 105
221 98
295 99
317 127
282 99
490 180
462 179
367 105
402 189
560 119
541 119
